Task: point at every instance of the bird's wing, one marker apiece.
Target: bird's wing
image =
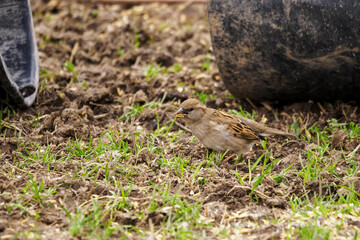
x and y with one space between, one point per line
237 127
262 130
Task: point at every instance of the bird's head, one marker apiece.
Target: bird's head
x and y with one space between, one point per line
191 110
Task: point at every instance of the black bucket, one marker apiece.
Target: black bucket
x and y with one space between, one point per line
288 50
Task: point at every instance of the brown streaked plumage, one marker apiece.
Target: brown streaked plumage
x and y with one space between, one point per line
221 131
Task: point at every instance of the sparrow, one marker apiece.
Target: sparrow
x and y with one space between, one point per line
221 131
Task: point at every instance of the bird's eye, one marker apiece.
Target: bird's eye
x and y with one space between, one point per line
190 109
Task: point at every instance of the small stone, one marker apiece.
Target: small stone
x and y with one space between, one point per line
140 97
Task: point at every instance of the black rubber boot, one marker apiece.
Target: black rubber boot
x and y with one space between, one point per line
19 61
288 50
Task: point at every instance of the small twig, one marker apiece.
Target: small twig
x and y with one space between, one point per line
162 117
9 125
98 104
94 185
152 234
356 170
100 116
223 217
344 113
321 107
352 154
267 106
73 52
251 103
55 222
136 64
182 126
178 124
228 158
132 199
18 168
262 195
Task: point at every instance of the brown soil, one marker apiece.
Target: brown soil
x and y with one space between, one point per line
66 108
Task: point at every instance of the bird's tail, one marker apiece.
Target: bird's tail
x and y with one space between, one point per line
273 131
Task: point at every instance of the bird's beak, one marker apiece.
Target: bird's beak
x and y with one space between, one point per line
180 113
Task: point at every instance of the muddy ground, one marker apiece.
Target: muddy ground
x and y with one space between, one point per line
111 47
